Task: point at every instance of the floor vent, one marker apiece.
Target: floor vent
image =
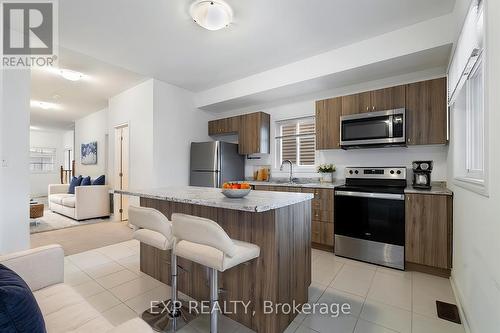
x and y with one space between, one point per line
448 311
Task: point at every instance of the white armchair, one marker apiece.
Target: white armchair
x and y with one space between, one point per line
88 201
63 309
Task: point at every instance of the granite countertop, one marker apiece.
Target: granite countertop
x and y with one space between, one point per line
255 201
438 188
300 184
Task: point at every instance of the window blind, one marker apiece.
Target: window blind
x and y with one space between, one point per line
296 141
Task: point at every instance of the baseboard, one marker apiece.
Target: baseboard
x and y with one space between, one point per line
459 299
442 272
322 247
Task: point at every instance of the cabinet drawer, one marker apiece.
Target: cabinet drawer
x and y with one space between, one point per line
322 215
322 233
316 231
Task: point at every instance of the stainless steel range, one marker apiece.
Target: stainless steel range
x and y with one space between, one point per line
370 216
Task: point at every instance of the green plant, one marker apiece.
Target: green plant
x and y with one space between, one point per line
326 168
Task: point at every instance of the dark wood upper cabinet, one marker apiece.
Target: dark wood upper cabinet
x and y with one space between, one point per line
252 129
376 100
328 112
254 134
388 98
224 126
357 103
426 112
429 230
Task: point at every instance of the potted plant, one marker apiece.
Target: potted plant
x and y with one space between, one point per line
326 171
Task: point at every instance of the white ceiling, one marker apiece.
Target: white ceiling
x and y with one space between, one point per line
158 39
435 59
80 98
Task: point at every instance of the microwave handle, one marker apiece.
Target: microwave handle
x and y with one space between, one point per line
391 126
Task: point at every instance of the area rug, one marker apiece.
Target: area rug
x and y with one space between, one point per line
54 221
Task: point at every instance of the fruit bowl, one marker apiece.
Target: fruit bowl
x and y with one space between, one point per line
235 193
236 190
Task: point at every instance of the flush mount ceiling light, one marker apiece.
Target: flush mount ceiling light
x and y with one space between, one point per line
70 75
211 15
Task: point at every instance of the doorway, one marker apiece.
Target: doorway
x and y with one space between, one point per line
121 170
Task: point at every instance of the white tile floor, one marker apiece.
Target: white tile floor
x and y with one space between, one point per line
382 300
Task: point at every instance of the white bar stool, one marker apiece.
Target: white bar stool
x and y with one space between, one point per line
203 241
155 229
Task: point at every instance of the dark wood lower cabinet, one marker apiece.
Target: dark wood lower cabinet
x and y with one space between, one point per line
429 233
321 213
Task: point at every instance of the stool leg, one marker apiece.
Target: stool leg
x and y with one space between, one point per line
173 297
214 298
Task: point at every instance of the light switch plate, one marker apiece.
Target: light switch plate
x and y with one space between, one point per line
5 164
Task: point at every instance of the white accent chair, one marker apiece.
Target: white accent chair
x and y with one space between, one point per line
205 242
88 202
63 309
155 229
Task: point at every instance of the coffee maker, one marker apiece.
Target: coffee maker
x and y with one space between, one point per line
422 174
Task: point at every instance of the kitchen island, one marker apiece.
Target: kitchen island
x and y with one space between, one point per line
278 222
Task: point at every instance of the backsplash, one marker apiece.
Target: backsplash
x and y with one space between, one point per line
365 158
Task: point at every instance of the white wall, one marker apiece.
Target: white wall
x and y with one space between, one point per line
177 123
69 140
14 158
476 225
359 157
93 127
46 139
134 107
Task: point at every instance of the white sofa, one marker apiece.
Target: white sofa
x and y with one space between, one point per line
88 202
63 309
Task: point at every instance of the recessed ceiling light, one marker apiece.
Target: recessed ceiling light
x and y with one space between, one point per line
211 15
44 105
68 74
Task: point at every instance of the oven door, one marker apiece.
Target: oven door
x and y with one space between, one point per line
376 128
370 227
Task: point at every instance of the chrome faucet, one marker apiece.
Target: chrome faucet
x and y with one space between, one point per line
291 169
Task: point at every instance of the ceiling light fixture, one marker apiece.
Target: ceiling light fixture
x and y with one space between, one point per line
211 15
70 75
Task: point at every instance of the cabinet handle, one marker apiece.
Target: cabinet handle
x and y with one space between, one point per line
367 108
409 140
373 108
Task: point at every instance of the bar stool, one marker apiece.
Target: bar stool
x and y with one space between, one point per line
154 229
203 241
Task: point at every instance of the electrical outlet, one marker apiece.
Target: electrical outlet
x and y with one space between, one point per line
5 164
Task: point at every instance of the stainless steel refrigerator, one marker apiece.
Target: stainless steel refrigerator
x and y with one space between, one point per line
215 162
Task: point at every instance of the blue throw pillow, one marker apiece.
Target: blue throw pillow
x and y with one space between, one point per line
101 180
74 183
86 181
19 312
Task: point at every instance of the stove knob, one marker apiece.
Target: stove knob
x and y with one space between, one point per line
392 172
350 171
356 172
399 172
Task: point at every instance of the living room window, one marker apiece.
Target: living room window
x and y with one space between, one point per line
42 160
296 141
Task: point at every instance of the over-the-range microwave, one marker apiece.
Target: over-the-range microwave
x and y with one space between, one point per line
373 129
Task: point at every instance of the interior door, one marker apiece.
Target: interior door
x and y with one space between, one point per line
125 170
121 170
